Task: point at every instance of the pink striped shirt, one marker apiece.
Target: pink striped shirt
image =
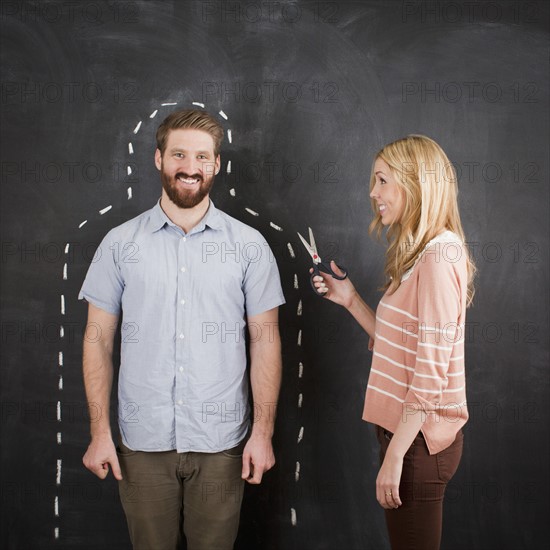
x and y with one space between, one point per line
418 353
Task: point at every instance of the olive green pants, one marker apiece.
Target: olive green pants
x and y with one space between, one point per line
168 494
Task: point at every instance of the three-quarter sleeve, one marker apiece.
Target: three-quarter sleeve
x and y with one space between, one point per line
439 304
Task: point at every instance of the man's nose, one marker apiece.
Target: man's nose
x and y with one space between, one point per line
190 165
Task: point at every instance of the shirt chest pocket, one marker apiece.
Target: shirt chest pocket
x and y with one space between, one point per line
216 288
151 276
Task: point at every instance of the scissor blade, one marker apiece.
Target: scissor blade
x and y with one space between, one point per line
311 251
315 255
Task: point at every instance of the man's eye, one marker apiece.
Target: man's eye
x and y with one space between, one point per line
203 157
382 181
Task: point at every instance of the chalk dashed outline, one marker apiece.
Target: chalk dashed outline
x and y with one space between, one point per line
232 193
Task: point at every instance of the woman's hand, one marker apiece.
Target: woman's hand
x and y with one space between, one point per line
387 483
340 292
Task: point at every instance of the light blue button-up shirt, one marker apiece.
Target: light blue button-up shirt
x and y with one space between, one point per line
184 300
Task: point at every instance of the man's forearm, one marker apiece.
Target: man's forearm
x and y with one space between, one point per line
265 379
98 380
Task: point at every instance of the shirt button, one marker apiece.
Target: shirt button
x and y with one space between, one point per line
182 302
180 402
184 239
181 369
182 336
182 269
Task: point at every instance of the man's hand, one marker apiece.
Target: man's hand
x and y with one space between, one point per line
101 452
258 458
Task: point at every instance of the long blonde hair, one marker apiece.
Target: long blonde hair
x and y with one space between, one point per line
428 184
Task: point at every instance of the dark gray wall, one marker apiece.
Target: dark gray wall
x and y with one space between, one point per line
311 91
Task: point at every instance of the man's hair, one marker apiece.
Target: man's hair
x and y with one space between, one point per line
190 119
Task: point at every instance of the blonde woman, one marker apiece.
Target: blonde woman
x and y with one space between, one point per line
416 393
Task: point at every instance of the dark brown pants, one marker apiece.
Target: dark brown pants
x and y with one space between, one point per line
165 493
416 525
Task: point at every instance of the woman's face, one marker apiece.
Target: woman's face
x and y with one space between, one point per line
387 194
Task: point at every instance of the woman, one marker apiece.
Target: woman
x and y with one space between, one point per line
416 391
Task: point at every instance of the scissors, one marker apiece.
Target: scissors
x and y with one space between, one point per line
318 265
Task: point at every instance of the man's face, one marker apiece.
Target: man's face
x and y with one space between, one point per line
188 166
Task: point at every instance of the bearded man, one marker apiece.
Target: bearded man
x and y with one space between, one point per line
189 280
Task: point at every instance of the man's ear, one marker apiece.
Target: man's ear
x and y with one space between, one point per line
217 164
158 159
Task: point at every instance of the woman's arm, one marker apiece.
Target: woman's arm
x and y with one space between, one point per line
344 293
389 476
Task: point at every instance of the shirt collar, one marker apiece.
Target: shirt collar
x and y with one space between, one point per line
159 219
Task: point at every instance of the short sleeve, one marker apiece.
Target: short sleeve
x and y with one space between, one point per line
104 284
439 305
262 283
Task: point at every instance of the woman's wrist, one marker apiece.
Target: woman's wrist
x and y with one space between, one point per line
354 301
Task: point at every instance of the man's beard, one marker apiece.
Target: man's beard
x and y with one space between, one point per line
186 198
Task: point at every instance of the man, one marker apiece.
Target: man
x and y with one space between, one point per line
188 279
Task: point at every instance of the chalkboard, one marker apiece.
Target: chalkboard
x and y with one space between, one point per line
309 91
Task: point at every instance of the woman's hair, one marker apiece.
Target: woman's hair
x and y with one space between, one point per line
427 182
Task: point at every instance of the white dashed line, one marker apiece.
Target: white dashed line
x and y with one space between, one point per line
58 472
232 193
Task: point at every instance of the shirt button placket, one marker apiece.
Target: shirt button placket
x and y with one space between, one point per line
181 347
